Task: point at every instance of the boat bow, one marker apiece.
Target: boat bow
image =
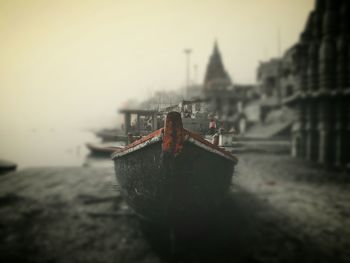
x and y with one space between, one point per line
173 137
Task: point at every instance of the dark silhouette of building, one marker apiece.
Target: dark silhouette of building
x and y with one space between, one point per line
217 86
268 77
321 95
225 100
216 76
268 74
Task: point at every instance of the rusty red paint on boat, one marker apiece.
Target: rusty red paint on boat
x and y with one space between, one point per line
142 140
173 134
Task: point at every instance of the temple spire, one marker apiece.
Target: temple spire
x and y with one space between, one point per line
216 48
215 69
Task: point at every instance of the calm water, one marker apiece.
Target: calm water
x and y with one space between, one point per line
46 146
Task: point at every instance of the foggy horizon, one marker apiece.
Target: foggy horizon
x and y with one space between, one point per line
68 66
82 60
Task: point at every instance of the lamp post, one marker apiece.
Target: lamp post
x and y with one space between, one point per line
187 53
195 70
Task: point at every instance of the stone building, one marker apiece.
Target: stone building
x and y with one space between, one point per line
216 76
288 80
217 85
218 90
268 78
225 99
268 74
321 64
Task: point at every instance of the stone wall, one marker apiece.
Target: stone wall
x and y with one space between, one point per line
321 96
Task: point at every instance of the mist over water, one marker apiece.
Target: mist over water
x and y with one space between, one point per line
43 147
44 139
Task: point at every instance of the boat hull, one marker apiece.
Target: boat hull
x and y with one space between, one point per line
167 188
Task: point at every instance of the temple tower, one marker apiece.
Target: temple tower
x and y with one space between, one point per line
216 71
217 84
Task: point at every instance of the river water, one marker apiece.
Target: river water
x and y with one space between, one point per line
45 146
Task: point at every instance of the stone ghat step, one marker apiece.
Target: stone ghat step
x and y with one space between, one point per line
273 148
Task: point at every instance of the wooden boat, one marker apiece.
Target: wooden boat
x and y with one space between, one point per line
7 166
172 174
111 135
102 150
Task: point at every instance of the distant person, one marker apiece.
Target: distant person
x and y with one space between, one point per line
133 126
187 113
232 130
212 127
131 138
242 125
222 128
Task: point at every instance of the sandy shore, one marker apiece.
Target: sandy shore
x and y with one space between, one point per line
280 210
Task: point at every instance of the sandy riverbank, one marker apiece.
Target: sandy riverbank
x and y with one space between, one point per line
280 210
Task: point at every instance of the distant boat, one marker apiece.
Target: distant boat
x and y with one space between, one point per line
172 174
111 135
105 151
7 166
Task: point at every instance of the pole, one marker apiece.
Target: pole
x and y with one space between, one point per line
279 73
195 69
278 42
188 53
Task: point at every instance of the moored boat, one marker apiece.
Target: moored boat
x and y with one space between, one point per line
111 135
172 174
102 150
7 166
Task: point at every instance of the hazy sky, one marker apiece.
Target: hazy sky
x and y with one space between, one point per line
79 60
